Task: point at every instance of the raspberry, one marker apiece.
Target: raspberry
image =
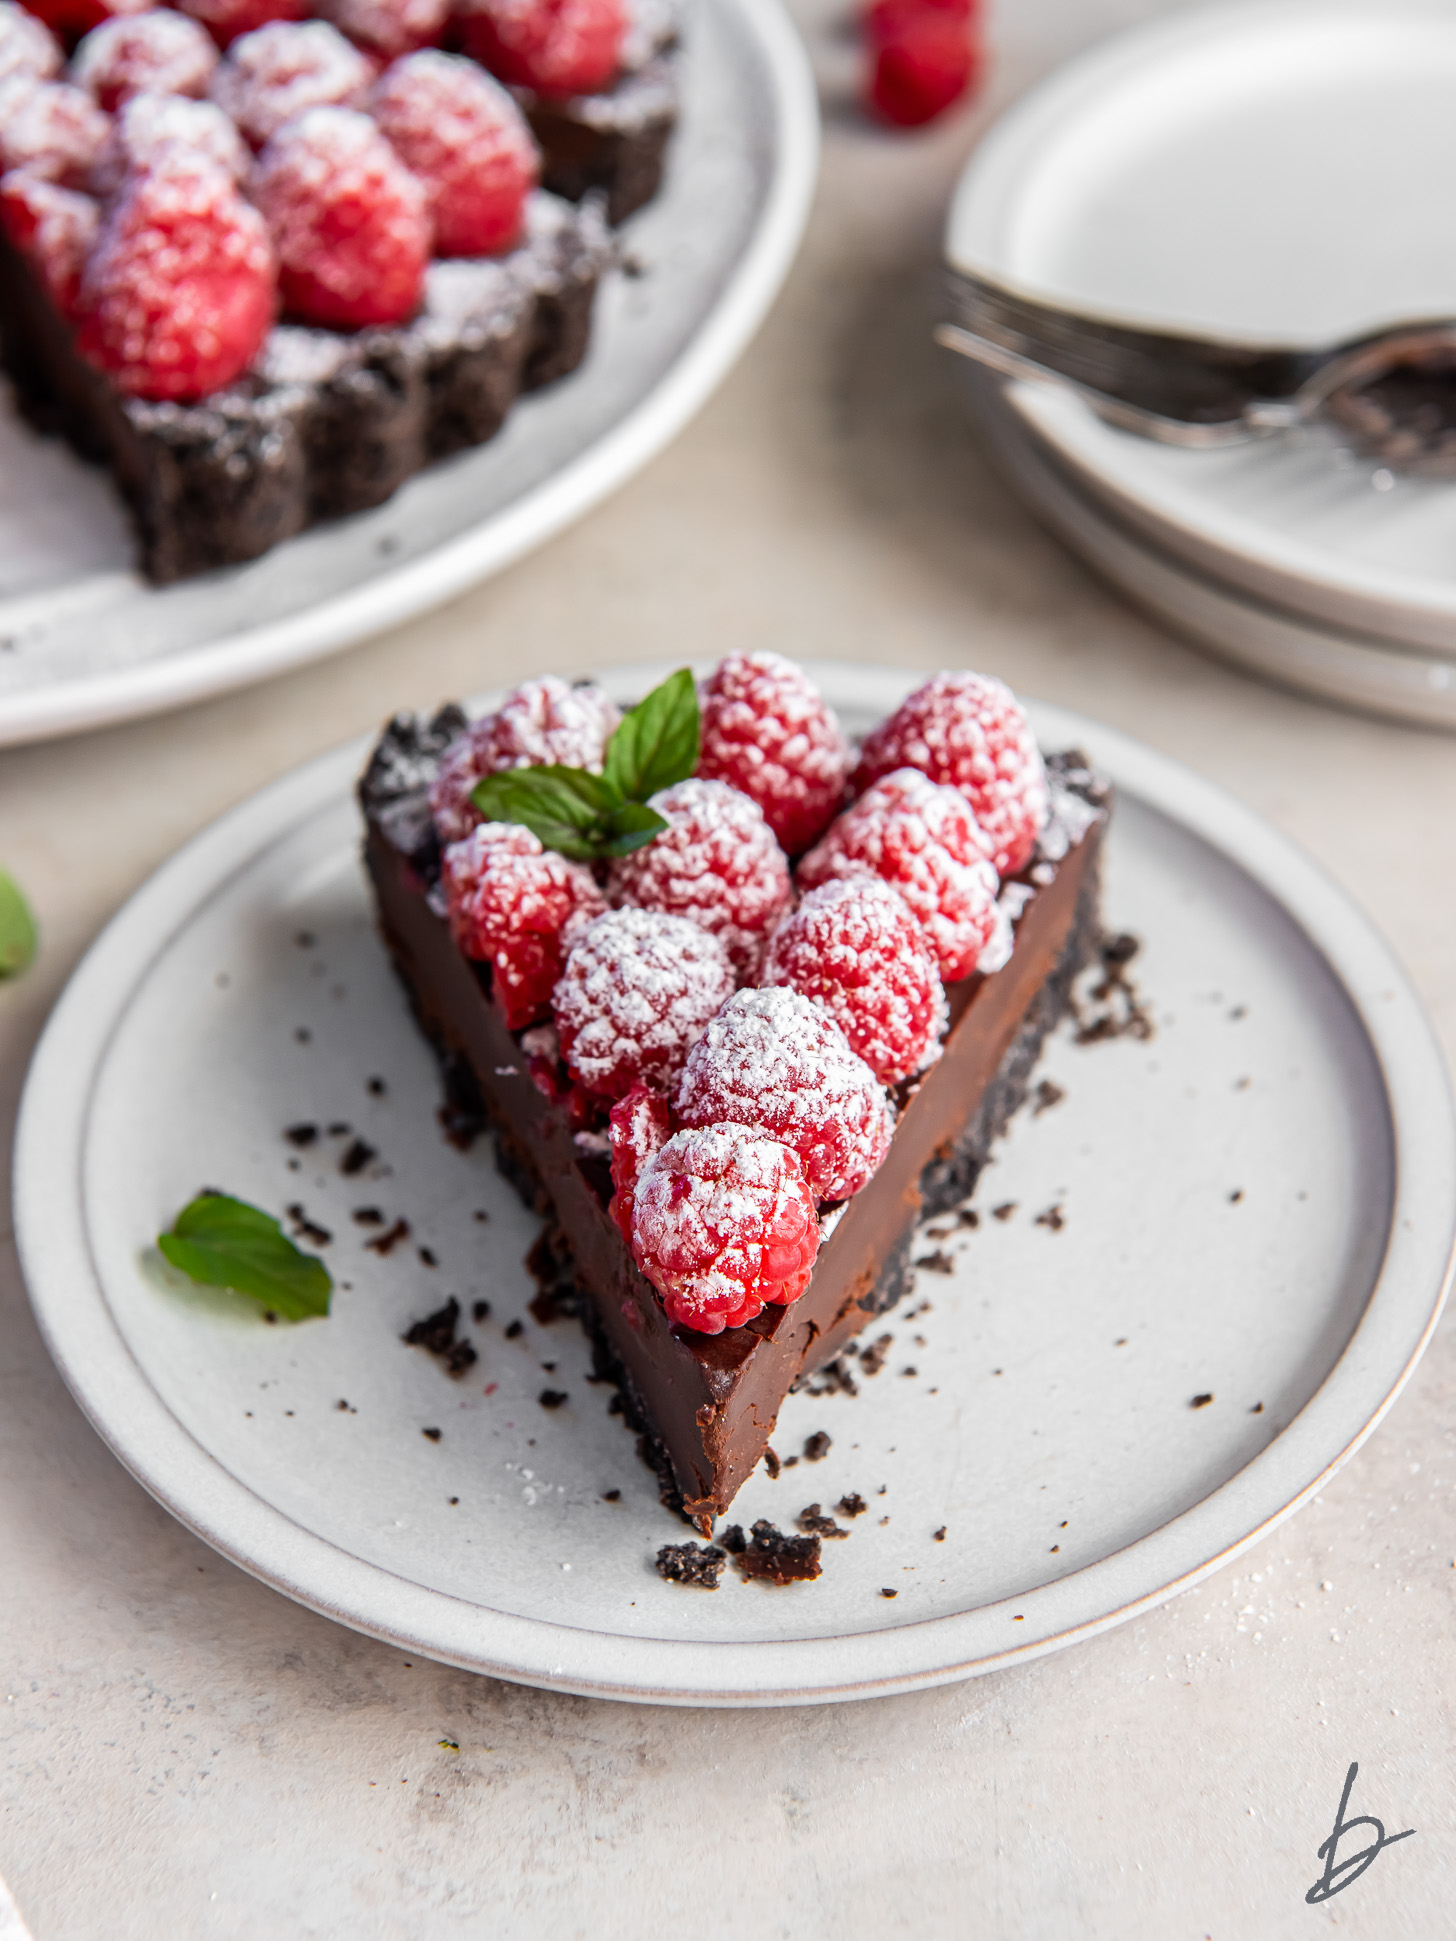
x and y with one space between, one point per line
637 990
26 45
925 840
53 228
538 723
516 906
467 141
854 948
559 47
776 1062
921 67
767 731
276 73
145 53
887 20
72 18
49 128
721 1223
716 862
389 27
153 125
228 20
177 296
347 218
969 732
640 1125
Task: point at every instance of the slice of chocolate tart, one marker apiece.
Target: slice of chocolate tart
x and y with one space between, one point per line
705 1404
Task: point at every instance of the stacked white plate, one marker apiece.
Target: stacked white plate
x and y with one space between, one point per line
1278 174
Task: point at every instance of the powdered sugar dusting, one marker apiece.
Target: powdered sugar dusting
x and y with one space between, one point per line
767 730
275 73
775 1061
467 141
160 52
150 126
538 723
50 128
27 46
390 26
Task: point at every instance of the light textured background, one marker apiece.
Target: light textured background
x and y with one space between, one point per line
184 1753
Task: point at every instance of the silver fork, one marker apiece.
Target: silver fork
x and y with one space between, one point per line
1393 393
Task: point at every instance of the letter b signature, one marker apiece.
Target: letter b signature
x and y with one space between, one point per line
1336 1878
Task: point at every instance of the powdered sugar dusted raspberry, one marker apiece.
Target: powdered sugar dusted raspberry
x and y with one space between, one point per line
640 1125
923 838
151 125
465 138
854 948
228 20
636 992
54 228
969 732
26 45
538 723
723 1222
767 731
778 1063
177 296
389 27
72 18
276 73
49 128
716 862
347 218
518 907
160 52
560 47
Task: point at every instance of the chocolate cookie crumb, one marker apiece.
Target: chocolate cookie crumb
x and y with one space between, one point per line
305 1133
515 1330
375 1087
427 1257
770 1557
872 1359
1126 1014
852 1505
1047 1094
1004 1211
306 1229
436 1335
385 1243
480 1311
939 1534
611 1496
481 1216
552 1398
1257 1409
833 1378
368 1216
889 1593
733 1540
1200 1401
305 939
302 1035
357 1157
700 1564
968 1217
1235 1197
1052 1218
813 1519
339 1128
772 1464
817 1447
453 1501
910 1371
939 1262
430 1435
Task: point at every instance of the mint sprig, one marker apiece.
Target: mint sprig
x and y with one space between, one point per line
224 1242
586 816
18 934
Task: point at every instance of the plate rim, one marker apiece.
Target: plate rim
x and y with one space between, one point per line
98 1367
1216 540
254 654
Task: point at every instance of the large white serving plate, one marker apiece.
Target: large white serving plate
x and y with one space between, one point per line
1274 173
1257 1205
84 640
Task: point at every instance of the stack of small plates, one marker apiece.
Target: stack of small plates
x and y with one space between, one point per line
1280 174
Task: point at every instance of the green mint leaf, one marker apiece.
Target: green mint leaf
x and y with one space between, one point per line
656 744
567 809
227 1243
18 934
632 827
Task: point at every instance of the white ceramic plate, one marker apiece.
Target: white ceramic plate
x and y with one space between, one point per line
1376 675
1275 173
1257 1206
84 640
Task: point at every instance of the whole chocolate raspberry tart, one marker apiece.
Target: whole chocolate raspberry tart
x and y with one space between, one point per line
731 1104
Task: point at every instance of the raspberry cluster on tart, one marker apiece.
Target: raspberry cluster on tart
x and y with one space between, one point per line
269 266
741 1036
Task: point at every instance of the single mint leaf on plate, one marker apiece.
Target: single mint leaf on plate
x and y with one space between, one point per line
224 1242
656 744
567 809
632 827
18 934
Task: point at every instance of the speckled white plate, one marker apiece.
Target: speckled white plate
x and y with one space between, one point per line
84 640
1256 1207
